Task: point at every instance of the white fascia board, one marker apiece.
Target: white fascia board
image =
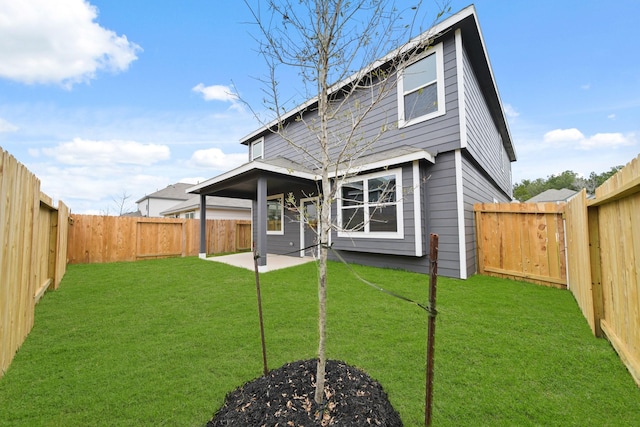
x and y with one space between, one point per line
417 208
413 43
405 158
247 167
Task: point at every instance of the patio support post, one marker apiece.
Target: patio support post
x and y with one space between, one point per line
261 222
203 226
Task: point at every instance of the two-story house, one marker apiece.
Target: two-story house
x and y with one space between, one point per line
447 147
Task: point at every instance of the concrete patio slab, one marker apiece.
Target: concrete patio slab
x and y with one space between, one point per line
274 262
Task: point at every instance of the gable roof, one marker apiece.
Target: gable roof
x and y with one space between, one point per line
175 191
467 21
553 195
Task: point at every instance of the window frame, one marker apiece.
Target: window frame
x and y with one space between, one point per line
436 50
280 198
366 205
252 145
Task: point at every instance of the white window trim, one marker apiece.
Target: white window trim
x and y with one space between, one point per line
281 198
438 51
399 208
417 212
253 157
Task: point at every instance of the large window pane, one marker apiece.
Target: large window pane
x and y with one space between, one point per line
274 215
421 102
353 219
382 189
383 219
352 193
420 73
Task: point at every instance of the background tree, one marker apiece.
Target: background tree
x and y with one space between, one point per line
526 189
121 203
326 42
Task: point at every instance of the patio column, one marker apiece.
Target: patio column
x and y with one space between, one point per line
203 226
261 222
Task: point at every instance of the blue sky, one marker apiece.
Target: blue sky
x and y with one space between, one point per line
104 98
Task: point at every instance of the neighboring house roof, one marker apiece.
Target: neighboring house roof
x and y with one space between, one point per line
553 195
213 202
173 192
467 21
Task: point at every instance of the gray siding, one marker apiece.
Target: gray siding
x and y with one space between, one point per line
442 205
405 246
486 174
436 135
483 139
477 188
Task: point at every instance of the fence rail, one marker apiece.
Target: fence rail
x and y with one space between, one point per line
33 254
97 239
522 241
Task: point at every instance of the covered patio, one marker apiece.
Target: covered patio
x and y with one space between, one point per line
252 181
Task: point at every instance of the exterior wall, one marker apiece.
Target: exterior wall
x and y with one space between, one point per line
477 188
218 213
290 240
483 139
405 246
470 167
436 135
151 207
442 203
226 214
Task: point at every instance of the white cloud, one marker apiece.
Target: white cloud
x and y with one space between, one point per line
219 93
91 153
44 41
215 158
611 117
510 111
579 140
608 140
563 135
586 86
5 126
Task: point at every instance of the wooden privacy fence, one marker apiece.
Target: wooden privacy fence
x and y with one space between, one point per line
522 241
97 239
33 234
604 261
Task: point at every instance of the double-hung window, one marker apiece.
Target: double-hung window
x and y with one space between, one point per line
371 206
421 89
256 149
275 214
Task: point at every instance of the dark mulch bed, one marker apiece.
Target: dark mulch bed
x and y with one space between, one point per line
284 397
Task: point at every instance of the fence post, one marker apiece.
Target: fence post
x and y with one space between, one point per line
596 269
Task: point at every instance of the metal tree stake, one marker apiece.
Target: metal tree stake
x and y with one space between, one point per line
264 348
431 328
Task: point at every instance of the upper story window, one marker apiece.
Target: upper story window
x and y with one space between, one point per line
421 89
256 149
371 206
275 214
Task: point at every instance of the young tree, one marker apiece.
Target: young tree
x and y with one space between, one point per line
327 42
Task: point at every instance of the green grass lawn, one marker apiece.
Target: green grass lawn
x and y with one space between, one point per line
161 342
